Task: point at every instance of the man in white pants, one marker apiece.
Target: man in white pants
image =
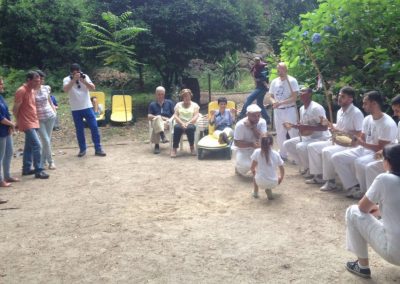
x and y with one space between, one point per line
349 120
247 138
375 168
284 91
379 129
310 128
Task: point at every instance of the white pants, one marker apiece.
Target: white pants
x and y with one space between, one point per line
281 116
297 150
158 125
265 183
350 166
372 170
328 170
363 229
314 150
227 130
243 160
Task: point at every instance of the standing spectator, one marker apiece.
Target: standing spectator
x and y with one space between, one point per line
7 127
46 113
284 91
160 112
55 104
78 85
27 122
362 226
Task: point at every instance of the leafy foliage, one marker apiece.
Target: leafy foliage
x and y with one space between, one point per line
114 42
353 42
230 73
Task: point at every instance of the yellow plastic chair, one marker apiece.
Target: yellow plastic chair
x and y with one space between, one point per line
101 98
121 108
210 142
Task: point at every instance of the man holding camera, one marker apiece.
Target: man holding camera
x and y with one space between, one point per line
78 85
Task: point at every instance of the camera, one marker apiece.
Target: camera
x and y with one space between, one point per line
83 76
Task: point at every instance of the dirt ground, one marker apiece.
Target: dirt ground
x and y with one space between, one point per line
136 217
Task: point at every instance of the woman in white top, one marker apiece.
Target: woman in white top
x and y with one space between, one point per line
263 166
185 116
364 228
46 113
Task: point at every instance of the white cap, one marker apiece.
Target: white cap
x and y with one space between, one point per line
253 108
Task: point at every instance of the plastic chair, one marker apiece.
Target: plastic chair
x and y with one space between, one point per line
210 142
171 131
151 131
121 108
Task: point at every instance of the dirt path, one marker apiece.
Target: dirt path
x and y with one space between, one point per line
134 217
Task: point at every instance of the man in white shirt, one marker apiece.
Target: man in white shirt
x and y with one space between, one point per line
247 137
378 130
284 91
349 121
78 85
375 168
309 128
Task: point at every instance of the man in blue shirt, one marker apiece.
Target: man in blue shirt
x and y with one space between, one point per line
160 111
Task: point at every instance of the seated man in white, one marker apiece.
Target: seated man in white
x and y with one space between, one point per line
349 120
379 129
375 168
248 132
160 112
310 130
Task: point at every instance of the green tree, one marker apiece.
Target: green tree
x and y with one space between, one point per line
353 42
180 30
41 33
230 73
114 41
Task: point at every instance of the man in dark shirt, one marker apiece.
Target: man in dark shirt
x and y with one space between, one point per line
160 111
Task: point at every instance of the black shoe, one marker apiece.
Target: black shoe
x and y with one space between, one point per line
28 173
163 138
81 154
100 153
156 149
353 267
2 201
42 175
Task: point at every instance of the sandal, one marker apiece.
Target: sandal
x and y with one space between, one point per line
12 179
173 153
4 184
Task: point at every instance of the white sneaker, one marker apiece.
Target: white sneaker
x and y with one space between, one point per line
358 194
307 175
52 166
315 180
328 186
352 190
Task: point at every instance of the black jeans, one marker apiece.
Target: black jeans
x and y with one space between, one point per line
179 130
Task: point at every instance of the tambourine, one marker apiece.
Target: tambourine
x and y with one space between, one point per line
343 139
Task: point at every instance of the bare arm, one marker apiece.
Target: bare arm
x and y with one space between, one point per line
253 167
367 206
281 174
373 147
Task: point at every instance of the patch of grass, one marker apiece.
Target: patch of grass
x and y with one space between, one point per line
246 82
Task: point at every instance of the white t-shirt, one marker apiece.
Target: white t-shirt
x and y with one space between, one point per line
244 133
384 129
79 97
267 171
281 90
385 190
311 116
349 120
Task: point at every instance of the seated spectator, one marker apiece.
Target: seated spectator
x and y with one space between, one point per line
97 108
223 120
248 132
186 114
160 112
362 226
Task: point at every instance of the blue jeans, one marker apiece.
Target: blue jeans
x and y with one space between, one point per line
45 132
258 94
32 151
6 153
88 115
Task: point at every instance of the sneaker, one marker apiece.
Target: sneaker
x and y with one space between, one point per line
352 190
100 153
315 180
156 149
358 194
268 191
42 175
255 195
353 267
28 173
81 154
52 166
2 201
307 175
328 186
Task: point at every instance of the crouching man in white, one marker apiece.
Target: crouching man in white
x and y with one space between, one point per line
248 132
349 121
362 228
379 129
309 128
375 168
